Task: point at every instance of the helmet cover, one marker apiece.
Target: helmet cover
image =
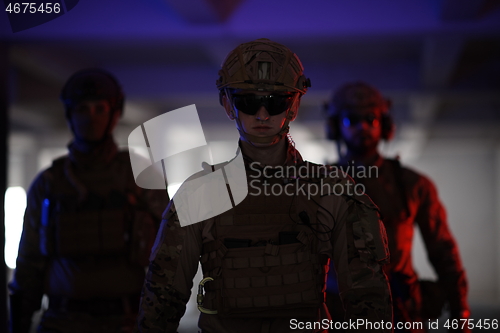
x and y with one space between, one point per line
356 95
263 65
92 84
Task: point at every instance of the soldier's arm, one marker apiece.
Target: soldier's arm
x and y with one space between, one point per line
442 249
360 250
26 288
168 283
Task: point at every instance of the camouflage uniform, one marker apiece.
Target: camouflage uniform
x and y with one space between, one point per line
346 229
406 199
87 249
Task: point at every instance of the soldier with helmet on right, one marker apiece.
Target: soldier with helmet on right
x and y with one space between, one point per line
358 119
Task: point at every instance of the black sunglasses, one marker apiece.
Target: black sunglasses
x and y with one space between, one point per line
274 104
354 120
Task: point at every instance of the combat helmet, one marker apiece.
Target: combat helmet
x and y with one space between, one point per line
263 65
355 95
92 84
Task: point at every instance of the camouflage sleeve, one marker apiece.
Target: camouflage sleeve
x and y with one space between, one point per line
442 249
173 265
26 288
360 250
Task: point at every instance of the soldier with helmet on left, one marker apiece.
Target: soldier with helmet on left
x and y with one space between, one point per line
88 228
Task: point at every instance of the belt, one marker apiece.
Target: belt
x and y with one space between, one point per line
96 306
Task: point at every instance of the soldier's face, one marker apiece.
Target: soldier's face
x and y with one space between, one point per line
360 129
90 119
264 122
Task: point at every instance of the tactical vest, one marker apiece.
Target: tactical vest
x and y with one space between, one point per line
105 223
264 257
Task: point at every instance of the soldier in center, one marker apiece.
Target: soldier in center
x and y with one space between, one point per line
269 256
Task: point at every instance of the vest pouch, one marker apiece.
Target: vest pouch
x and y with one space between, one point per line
90 233
263 281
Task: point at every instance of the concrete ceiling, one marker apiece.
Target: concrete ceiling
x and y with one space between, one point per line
429 56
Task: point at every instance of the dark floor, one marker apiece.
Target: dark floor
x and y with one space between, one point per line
479 312
189 323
